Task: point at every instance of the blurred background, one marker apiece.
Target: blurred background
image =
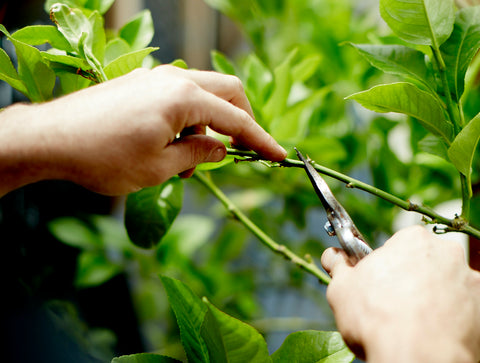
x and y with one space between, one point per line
76 290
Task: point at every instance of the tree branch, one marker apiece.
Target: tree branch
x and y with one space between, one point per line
457 224
282 250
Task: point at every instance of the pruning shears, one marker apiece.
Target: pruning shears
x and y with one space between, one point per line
339 222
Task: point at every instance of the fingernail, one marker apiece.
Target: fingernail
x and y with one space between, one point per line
216 155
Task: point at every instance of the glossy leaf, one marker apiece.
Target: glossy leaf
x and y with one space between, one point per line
67 60
396 59
144 358
241 342
461 47
35 75
259 79
139 31
190 312
72 23
96 38
463 148
151 211
406 98
127 63
41 34
72 3
313 346
114 49
423 22
9 74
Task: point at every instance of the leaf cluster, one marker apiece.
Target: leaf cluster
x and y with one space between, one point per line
80 52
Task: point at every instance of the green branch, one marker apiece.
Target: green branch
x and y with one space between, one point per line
458 224
282 250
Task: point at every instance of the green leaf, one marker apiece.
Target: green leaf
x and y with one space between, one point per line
96 39
180 63
101 6
313 346
151 211
114 49
72 23
240 341
259 81
74 232
127 63
406 98
41 34
35 75
423 22
435 146
221 64
277 103
302 71
144 358
212 166
396 59
139 31
461 47
462 150
94 269
9 74
72 3
67 60
190 312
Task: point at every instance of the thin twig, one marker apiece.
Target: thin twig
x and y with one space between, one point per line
259 233
457 224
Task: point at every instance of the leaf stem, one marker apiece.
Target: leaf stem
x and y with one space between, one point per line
259 233
458 224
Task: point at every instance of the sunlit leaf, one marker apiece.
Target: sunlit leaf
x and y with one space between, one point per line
423 22
313 346
462 150
139 31
151 211
144 358
72 23
115 48
180 63
460 48
396 59
240 341
35 75
406 98
97 39
259 79
127 63
306 68
212 166
190 312
9 74
41 34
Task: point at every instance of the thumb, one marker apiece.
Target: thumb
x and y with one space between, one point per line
334 260
182 156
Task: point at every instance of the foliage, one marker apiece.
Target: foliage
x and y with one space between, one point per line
303 63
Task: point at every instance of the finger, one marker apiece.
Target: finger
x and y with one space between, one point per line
334 260
228 119
182 156
225 86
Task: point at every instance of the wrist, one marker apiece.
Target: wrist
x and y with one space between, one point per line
23 151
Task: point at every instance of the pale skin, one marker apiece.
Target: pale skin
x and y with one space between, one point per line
120 136
413 300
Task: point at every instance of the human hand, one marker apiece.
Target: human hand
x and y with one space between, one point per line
120 136
412 300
